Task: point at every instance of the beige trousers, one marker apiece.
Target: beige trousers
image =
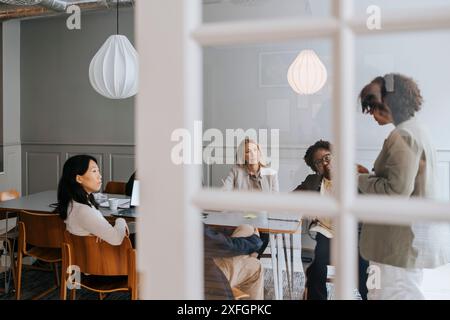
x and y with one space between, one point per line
244 272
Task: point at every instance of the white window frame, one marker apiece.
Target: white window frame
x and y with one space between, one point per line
170 35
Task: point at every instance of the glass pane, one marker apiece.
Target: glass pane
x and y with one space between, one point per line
398 5
247 94
404 143
408 54
256 252
413 257
233 10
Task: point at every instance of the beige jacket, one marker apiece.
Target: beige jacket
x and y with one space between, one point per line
405 167
239 179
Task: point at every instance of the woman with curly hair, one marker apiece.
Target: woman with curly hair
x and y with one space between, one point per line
405 167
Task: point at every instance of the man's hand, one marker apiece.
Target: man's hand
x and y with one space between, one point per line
361 169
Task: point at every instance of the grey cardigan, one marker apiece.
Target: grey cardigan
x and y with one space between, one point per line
239 179
406 166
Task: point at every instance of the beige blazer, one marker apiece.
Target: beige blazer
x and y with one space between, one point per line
405 167
239 179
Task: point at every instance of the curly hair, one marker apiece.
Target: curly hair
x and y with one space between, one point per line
402 96
309 155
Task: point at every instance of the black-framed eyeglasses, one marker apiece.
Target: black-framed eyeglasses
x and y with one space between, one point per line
326 158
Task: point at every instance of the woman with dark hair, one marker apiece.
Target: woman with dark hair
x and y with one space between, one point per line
77 206
319 158
406 166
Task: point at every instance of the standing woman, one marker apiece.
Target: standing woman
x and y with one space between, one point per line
251 173
77 206
405 167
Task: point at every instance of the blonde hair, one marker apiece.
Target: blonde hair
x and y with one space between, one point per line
240 154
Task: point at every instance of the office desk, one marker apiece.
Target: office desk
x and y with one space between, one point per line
40 203
278 225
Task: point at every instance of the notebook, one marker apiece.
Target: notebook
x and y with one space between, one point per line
123 203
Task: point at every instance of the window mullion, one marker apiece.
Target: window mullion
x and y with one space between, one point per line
344 244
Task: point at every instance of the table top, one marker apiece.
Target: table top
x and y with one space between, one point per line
280 222
266 222
41 202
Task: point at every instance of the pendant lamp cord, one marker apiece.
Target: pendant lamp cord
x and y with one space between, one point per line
117 13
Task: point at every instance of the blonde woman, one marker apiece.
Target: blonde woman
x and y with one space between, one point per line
250 171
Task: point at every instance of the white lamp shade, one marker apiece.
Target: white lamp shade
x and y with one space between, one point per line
113 71
307 74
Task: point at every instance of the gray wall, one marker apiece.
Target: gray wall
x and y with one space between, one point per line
60 112
1 100
11 177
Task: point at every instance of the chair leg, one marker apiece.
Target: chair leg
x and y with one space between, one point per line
63 287
63 290
55 269
19 275
134 294
73 294
12 260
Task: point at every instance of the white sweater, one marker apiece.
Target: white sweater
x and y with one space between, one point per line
83 220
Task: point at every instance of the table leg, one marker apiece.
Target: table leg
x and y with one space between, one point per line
291 238
279 267
273 254
289 269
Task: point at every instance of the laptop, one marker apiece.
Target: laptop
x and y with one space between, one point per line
131 211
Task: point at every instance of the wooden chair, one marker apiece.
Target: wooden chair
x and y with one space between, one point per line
9 236
44 233
115 187
98 259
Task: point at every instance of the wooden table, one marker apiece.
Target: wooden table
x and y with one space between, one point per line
44 202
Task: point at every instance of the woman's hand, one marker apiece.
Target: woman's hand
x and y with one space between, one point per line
361 169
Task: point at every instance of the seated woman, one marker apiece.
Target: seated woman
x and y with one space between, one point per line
251 173
77 206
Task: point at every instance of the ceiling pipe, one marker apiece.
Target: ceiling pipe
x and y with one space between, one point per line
56 5
8 12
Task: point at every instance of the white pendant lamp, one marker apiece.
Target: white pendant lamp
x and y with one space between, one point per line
113 72
307 74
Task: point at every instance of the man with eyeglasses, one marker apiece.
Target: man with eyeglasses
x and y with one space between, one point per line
319 158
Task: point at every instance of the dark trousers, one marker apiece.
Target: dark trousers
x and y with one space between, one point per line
316 274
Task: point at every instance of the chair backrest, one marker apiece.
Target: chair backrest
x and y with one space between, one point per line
42 230
115 187
97 257
9 195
